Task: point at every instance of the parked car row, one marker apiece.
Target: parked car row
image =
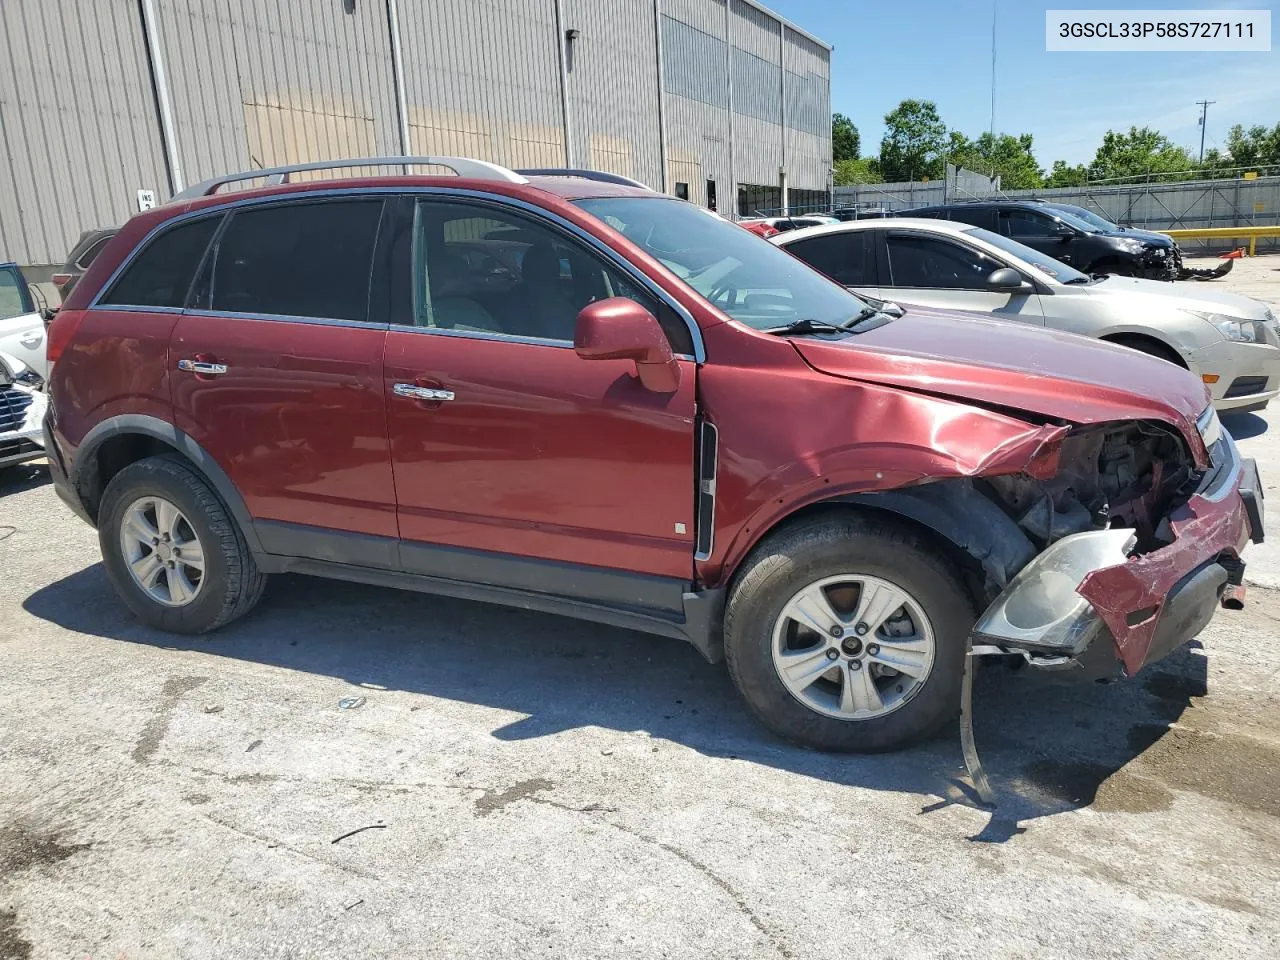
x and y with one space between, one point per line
562 391
1231 342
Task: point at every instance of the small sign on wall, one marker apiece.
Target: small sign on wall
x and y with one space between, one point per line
146 199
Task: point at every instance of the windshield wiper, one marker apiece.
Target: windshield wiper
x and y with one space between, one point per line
868 318
807 325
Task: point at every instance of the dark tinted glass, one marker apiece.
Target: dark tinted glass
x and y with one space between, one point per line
844 257
977 216
298 260
161 274
493 271
1026 223
936 264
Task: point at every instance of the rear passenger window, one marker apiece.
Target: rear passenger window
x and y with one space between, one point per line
161 274
298 260
846 258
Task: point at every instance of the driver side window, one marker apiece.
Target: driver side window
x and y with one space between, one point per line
1026 223
487 270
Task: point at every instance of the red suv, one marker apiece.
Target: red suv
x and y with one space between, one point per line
568 393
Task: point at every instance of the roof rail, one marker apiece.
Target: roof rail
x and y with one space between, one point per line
584 175
462 166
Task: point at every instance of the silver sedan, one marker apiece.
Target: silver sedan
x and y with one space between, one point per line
1230 341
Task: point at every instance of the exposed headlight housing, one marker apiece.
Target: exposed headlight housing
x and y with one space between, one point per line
1133 246
1210 427
1236 328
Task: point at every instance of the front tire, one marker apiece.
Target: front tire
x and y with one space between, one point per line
172 551
848 633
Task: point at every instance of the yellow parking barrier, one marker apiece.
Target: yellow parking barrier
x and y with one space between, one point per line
1226 233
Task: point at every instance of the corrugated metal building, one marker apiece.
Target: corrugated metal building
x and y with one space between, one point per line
101 99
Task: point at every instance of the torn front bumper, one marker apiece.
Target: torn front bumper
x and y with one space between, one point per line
1084 588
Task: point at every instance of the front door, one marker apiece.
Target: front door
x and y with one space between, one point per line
527 464
1038 231
21 327
937 272
277 372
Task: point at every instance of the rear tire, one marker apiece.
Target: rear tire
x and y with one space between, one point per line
172 551
849 560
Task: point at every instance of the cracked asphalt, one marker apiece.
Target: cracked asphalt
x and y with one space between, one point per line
519 785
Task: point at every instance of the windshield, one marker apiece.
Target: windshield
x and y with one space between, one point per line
1034 258
748 278
1088 216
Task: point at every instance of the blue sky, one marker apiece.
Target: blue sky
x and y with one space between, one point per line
940 50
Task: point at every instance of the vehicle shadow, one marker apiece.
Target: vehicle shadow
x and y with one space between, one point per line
1047 747
1242 426
23 477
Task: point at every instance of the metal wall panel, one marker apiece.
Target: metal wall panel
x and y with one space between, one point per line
693 63
754 31
808 84
704 15
482 79
78 130
613 87
758 152
261 84
698 149
757 90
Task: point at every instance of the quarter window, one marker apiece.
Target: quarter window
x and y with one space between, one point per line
161 274
298 260
489 271
846 258
925 262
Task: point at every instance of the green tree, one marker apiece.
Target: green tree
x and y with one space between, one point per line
914 142
1256 147
1003 155
860 170
846 142
1063 175
1141 152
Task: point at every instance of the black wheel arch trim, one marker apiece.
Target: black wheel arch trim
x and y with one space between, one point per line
167 433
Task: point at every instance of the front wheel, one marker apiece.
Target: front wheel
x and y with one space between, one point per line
849 634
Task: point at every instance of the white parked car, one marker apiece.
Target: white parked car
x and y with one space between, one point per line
22 331
1230 341
22 408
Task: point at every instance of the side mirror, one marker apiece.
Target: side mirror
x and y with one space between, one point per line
1006 278
1065 232
621 329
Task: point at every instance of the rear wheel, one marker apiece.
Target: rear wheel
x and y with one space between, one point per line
173 553
849 633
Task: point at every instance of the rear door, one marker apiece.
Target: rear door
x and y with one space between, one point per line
936 271
276 369
21 328
531 458
848 257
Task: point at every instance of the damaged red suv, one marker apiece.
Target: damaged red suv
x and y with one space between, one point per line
565 392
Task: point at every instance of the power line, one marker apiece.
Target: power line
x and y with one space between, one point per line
1204 106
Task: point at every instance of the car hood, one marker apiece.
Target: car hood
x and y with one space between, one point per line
1156 294
1059 376
1149 237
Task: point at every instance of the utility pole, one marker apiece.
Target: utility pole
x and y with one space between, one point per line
992 127
1204 106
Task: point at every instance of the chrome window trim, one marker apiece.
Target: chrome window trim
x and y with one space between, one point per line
482 335
281 318
499 200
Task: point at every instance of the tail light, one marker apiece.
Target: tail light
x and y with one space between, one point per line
60 280
61 329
